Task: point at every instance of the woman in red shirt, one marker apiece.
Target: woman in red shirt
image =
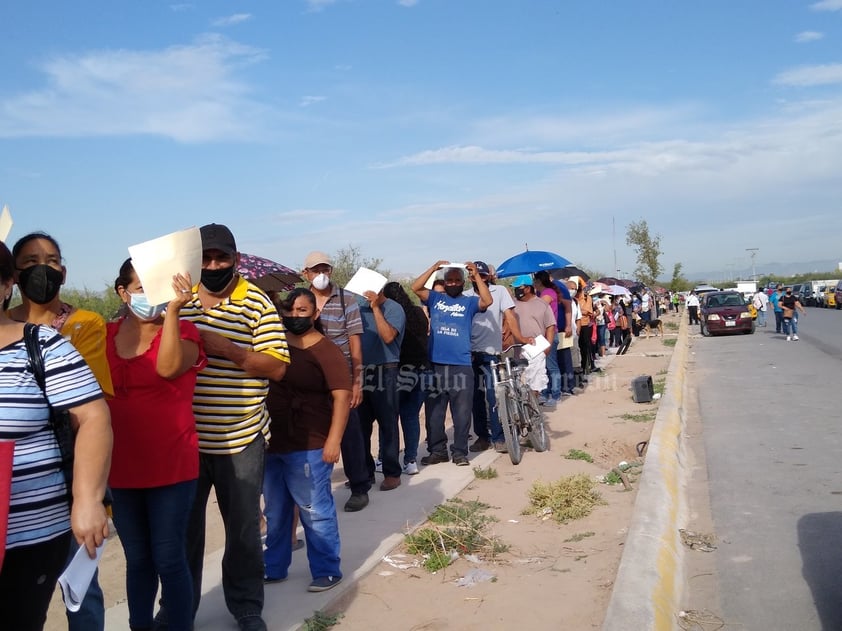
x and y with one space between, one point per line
154 358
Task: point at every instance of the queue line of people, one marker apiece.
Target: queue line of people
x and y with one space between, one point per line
223 389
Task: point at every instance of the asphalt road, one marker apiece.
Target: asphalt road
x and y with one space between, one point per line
769 420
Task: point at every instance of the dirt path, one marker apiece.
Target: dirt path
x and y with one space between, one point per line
552 574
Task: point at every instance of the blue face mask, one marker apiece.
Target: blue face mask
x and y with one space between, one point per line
142 310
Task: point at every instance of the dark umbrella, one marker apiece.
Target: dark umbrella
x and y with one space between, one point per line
608 280
571 270
530 262
266 274
627 283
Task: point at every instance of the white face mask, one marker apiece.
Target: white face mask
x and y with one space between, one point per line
321 282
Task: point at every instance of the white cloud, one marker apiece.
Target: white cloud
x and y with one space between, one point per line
318 5
407 3
231 20
187 93
307 101
182 6
805 76
808 36
827 5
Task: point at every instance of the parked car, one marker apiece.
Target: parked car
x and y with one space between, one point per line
725 312
838 295
830 297
816 298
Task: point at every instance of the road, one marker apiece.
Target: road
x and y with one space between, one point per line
768 430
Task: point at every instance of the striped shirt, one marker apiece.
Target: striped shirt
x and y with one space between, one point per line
38 508
229 404
340 324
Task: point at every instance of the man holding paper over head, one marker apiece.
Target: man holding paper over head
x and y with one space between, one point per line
246 346
451 318
535 319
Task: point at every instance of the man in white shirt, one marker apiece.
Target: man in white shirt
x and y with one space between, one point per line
692 303
761 303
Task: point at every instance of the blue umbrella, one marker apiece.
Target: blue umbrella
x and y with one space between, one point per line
530 262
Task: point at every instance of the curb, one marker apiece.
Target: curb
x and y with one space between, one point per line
650 579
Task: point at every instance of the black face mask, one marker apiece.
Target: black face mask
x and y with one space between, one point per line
215 280
40 283
520 292
453 290
297 325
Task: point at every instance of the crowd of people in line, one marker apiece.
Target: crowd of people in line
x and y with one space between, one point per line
255 397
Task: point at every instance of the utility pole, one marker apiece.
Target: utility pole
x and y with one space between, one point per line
753 253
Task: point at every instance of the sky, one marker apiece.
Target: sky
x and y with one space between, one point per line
419 130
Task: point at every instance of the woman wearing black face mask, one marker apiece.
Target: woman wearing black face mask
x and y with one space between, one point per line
309 409
39 275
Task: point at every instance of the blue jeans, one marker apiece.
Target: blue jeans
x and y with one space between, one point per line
453 385
237 480
153 529
380 403
779 321
761 317
553 389
300 478
791 325
486 418
411 395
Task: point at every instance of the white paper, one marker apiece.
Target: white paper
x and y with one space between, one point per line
76 578
5 223
531 351
366 280
440 276
158 260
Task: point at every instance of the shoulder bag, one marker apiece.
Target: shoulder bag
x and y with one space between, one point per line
59 419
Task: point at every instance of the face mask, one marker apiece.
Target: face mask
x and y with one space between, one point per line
215 280
297 325
520 292
321 282
143 311
40 283
453 290
789 293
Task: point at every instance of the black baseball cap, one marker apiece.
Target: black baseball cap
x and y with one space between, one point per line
215 236
482 268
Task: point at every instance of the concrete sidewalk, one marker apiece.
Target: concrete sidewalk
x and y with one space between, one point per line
367 536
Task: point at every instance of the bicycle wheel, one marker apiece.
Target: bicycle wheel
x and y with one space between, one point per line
535 421
508 414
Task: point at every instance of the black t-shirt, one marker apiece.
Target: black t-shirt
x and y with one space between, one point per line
788 301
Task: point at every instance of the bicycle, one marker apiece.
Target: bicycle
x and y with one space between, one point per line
517 405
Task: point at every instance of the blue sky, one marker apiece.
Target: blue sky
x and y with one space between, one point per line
426 129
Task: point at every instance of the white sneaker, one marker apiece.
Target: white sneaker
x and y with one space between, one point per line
410 468
795 337
788 338
378 466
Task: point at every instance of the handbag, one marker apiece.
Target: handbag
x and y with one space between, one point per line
59 419
624 322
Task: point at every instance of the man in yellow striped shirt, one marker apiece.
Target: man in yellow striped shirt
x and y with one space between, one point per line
246 346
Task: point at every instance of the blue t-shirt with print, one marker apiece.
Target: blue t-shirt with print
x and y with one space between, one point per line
450 328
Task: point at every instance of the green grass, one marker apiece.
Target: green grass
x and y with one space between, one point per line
455 526
672 326
670 342
659 385
487 473
643 417
579 536
320 621
572 497
578 454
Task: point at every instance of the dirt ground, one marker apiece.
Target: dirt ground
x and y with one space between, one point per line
553 575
